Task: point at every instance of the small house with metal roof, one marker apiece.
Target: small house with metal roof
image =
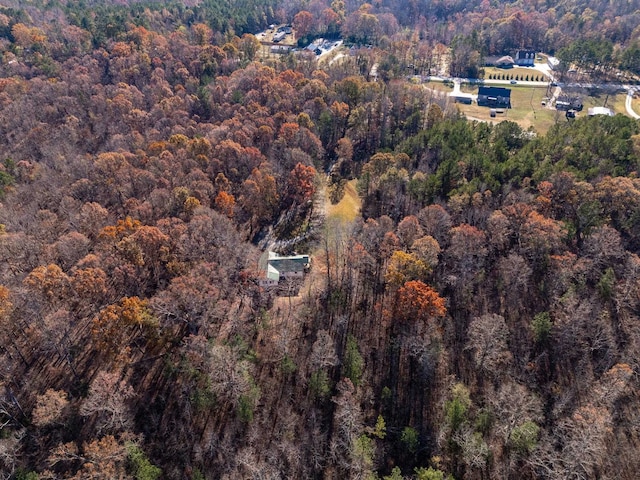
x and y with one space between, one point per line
566 102
280 268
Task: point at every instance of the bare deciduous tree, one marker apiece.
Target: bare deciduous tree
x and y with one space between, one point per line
488 337
512 405
323 351
108 399
577 448
50 408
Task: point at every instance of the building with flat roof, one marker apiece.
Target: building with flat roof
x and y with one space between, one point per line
600 111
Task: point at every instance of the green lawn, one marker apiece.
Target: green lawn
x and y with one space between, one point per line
614 102
526 111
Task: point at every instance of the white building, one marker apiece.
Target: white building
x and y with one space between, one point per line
600 111
553 63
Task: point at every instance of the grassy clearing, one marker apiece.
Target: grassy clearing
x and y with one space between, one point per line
614 102
527 110
467 88
635 104
448 88
438 86
348 208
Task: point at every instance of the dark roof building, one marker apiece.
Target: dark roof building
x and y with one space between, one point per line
294 264
278 37
495 97
565 102
525 58
467 100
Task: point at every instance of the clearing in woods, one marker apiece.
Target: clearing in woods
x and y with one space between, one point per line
346 209
338 219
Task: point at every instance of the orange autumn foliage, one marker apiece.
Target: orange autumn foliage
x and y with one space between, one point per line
122 228
417 300
119 323
225 203
301 183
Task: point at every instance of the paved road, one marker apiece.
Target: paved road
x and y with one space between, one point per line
629 106
459 93
475 81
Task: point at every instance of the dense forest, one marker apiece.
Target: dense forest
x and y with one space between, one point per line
479 319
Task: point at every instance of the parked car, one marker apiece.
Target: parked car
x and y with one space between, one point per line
513 82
